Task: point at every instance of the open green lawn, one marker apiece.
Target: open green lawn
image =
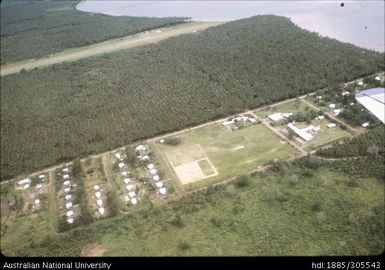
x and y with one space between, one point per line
294 106
294 211
231 152
24 230
326 135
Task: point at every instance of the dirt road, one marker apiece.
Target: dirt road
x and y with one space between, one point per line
108 46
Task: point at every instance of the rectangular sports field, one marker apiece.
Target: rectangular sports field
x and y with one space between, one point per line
213 153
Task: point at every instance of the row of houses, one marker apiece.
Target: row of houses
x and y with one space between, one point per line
129 185
99 200
156 179
68 196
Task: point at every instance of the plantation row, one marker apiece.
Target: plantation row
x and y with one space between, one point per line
96 104
37 28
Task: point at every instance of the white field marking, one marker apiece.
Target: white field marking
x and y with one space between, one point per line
215 171
238 148
189 172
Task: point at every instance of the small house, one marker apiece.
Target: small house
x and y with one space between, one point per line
101 211
37 201
134 201
96 187
150 166
98 194
153 172
67 190
365 125
132 194
66 176
127 180
124 173
67 183
99 202
121 164
68 205
377 78
331 125
66 170
70 213
70 220
156 177
332 105
162 191
129 187
68 197
159 184
41 176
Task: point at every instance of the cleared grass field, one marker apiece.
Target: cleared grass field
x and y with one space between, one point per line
287 107
213 153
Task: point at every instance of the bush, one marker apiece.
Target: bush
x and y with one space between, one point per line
184 245
173 141
242 181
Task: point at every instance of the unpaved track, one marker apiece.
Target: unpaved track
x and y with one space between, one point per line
108 46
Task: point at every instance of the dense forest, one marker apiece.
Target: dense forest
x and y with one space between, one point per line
58 113
363 155
32 29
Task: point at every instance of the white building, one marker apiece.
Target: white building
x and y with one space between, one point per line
360 83
127 180
39 186
377 78
66 170
132 194
365 125
332 105
162 191
153 172
124 173
24 181
345 93
252 120
134 201
68 197
96 187
159 184
98 194
101 211
37 201
144 158
70 220
41 176
227 123
121 164
68 205
156 177
140 148
129 187
99 202
67 183
320 117
70 213
303 133
331 125
337 111
66 190
117 155
66 176
150 166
